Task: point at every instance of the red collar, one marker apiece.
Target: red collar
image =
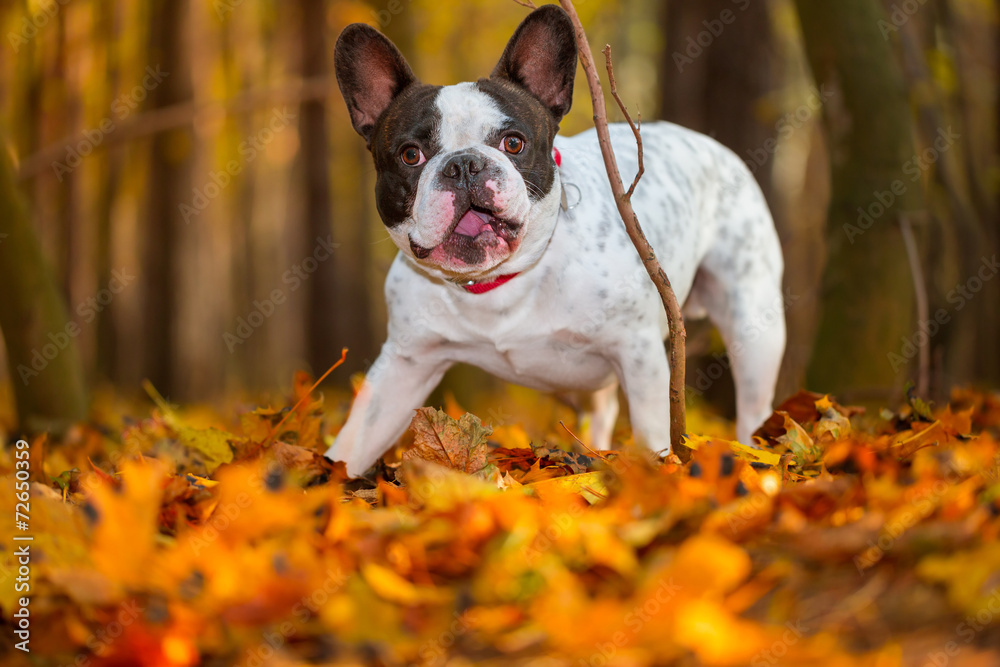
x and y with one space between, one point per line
483 288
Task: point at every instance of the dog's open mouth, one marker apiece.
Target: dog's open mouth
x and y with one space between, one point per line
477 230
476 222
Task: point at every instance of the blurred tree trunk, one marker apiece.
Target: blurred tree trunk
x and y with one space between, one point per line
337 308
106 357
868 293
724 90
719 92
40 337
969 348
67 117
169 185
715 89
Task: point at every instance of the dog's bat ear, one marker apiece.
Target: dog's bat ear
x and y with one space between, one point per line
371 72
541 57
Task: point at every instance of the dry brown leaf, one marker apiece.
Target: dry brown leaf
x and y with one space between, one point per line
456 444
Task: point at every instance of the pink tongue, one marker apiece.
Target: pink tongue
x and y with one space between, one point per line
472 223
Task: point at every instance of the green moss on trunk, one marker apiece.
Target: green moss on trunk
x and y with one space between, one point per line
868 295
44 366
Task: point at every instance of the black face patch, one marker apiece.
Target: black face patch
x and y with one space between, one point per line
411 119
532 120
532 85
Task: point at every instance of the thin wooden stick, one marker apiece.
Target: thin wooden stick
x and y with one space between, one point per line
623 200
635 126
274 431
582 443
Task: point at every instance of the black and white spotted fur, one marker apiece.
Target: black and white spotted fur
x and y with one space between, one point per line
582 314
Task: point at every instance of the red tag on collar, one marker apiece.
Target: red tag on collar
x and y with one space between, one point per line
557 156
483 288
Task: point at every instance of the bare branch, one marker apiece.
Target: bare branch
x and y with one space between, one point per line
642 246
526 3
179 115
635 127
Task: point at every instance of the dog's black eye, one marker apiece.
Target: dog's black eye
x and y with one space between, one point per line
512 144
412 156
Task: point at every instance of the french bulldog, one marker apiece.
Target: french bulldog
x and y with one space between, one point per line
513 257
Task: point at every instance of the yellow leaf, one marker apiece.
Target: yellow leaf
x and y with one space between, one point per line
708 564
741 451
798 441
126 523
394 588
832 423
708 630
968 575
212 443
439 488
589 484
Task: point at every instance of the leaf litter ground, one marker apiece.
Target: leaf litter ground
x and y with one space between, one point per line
845 539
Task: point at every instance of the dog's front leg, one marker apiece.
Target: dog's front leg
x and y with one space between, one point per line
394 387
645 378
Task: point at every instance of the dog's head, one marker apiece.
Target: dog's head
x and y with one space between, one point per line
466 180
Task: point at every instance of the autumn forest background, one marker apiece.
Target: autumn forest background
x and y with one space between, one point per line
182 161
188 240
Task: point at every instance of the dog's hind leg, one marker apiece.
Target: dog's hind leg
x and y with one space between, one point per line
750 317
603 414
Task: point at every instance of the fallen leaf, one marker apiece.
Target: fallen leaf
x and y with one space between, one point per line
456 444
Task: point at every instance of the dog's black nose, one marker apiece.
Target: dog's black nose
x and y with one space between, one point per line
463 166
